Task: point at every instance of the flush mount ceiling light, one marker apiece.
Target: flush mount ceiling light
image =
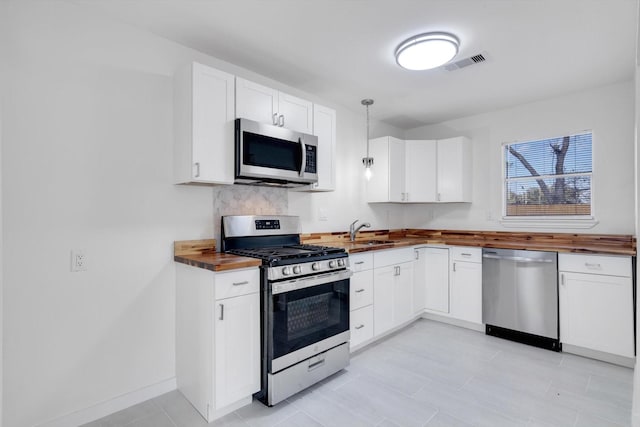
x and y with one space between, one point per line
427 51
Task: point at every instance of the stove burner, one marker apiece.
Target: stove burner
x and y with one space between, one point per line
274 254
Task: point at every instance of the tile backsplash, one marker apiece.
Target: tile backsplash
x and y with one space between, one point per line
247 200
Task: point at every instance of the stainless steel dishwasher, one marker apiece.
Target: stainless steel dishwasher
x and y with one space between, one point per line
520 296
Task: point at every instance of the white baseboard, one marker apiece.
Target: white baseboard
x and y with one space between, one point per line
452 321
110 406
628 362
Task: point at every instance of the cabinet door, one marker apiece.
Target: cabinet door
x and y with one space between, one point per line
295 113
454 170
435 274
256 102
419 281
361 325
361 289
203 125
378 185
324 127
383 281
466 291
237 348
596 312
403 293
396 170
420 171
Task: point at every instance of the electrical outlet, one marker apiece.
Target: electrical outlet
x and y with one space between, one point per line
78 260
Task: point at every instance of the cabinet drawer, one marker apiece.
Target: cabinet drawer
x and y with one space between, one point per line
609 265
361 325
462 253
393 257
361 290
236 283
360 262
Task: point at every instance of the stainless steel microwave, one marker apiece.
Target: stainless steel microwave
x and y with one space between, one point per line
272 155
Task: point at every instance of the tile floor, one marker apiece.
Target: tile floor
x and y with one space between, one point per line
431 374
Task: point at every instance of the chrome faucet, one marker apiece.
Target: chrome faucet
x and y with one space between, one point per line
353 230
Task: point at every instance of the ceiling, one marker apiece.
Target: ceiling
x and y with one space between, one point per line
342 50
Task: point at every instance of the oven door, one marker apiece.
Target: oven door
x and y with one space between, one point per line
271 153
307 316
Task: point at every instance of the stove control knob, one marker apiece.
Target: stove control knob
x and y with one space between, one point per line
332 264
340 263
286 271
297 269
316 266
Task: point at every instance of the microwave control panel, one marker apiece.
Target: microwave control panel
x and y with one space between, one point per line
311 166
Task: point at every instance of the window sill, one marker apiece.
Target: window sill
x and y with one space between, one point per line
566 223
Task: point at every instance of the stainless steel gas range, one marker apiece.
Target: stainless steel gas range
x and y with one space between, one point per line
304 302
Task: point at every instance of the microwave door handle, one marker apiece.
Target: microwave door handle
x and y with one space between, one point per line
303 153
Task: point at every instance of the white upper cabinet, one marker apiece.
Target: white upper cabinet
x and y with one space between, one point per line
454 170
420 171
387 179
324 127
203 125
267 105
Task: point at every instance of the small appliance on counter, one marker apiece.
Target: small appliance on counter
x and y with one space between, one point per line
304 302
273 155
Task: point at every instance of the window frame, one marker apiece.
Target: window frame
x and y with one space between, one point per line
548 221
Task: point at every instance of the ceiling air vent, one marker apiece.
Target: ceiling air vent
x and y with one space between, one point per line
475 59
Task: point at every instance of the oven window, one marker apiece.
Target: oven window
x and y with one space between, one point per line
264 151
306 316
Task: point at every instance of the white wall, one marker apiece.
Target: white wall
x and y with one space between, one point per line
348 203
87 146
608 111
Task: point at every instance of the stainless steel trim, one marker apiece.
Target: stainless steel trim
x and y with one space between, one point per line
294 357
245 225
290 381
517 258
309 281
251 174
303 149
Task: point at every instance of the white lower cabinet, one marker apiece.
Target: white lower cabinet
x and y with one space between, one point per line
361 299
217 338
432 273
392 289
465 284
596 303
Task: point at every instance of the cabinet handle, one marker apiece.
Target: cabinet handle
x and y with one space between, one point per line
406 197
562 279
275 119
221 312
454 267
359 326
438 196
246 282
417 254
465 254
359 290
281 121
358 262
592 265
197 165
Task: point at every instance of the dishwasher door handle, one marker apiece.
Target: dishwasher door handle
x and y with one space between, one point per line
518 258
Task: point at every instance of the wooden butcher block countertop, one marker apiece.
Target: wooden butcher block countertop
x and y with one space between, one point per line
202 254
613 244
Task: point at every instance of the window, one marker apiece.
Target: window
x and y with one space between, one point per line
549 177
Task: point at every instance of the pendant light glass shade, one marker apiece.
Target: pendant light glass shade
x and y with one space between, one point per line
367 161
427 51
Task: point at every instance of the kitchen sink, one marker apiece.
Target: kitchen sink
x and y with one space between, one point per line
375 242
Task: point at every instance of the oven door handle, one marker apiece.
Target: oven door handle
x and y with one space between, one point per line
309 281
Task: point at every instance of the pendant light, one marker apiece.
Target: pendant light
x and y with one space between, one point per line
367 161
